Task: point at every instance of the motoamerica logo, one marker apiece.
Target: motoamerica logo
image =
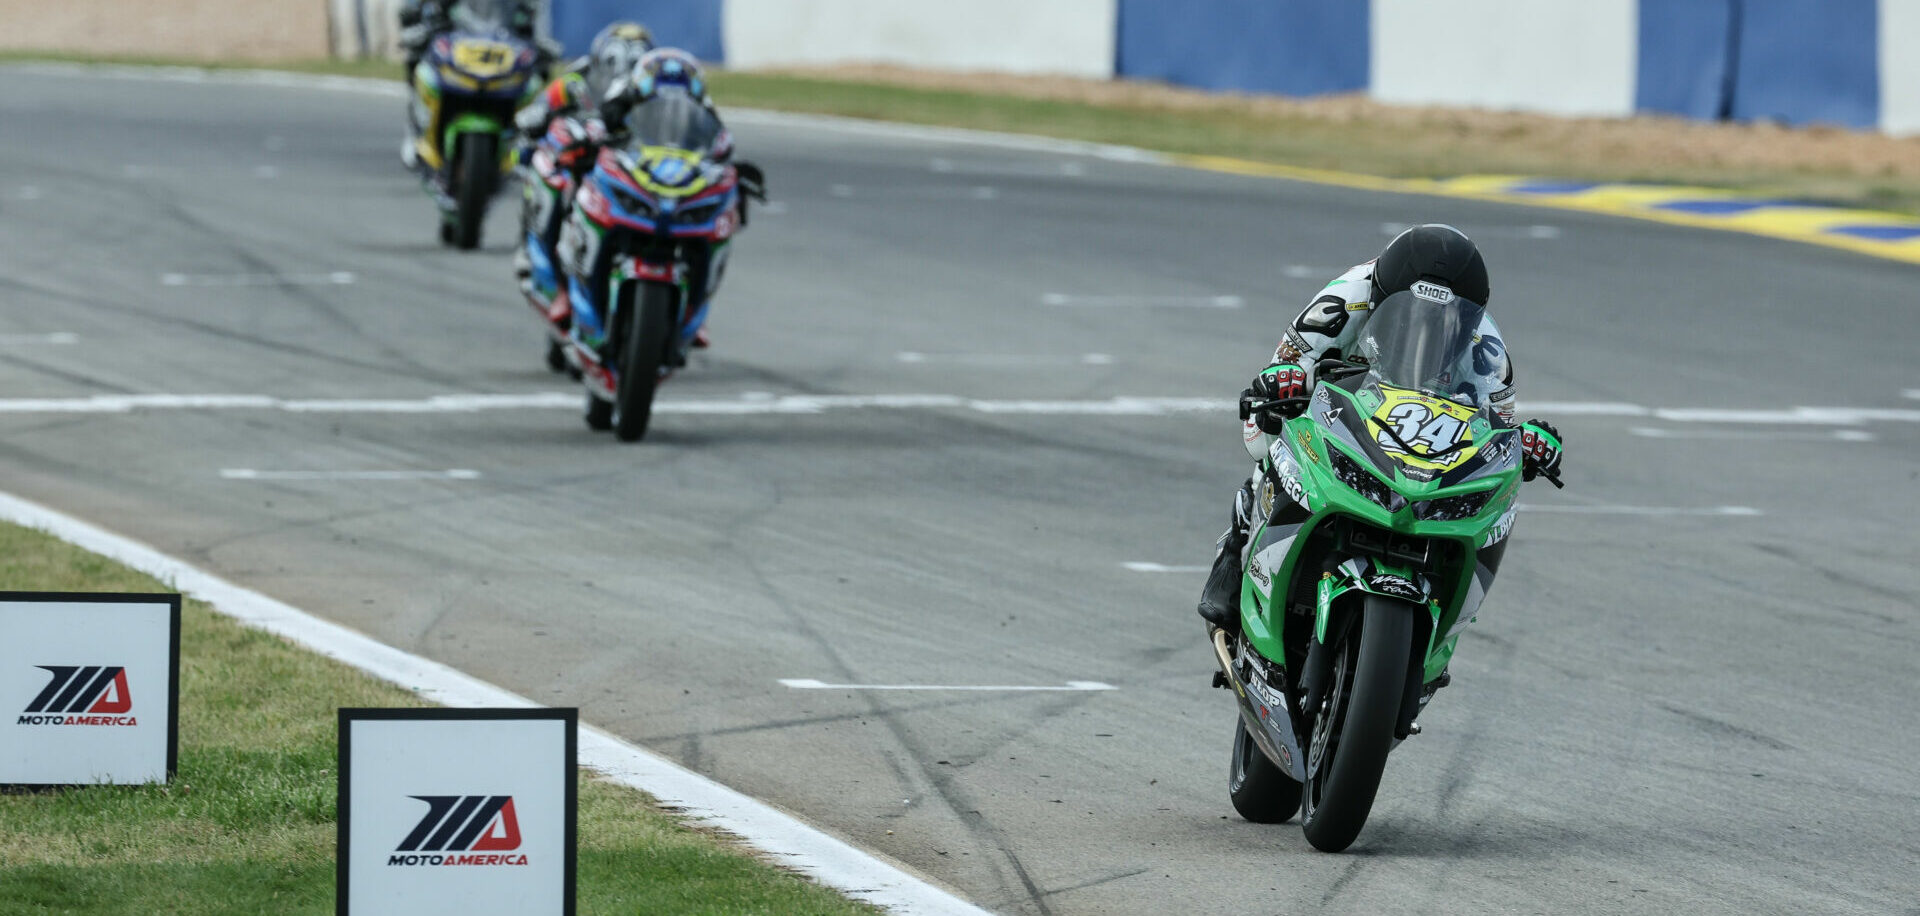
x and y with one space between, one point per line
81 695
462 830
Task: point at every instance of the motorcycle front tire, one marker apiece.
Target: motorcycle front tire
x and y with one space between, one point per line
476 170
1338 801
648 328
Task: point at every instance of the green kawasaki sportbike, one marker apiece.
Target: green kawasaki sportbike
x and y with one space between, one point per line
1387 507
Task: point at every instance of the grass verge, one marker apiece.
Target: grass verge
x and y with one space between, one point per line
247 826
1345 133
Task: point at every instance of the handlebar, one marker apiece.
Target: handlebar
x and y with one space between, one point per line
1249 406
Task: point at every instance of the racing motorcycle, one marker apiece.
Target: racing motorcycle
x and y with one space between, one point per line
553 168
644 250
466 89
1387 504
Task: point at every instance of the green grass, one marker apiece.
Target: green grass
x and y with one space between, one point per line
247 827
1821 164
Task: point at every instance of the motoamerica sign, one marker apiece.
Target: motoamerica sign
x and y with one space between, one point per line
467 811
88 687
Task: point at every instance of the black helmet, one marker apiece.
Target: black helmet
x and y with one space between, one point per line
1434 252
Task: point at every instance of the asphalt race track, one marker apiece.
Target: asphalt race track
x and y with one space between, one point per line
1692 691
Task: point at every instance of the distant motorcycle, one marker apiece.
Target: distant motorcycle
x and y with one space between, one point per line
644 250
1387 507
466 89
554 166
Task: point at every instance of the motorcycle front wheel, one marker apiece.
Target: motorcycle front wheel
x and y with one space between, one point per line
649 325
476 170
1353 729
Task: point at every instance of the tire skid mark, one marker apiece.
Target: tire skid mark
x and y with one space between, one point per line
956 801
171 209
1722 728
1345 878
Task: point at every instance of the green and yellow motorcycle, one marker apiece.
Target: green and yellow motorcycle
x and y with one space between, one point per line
466 88
1387 504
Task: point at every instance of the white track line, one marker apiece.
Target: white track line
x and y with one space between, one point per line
256 474
1731 511
1838 435
757 403
332 278
917 357
57 338
1140 566
807 683
1177 302
789 841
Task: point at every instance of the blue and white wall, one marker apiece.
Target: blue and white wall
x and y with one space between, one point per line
1851 62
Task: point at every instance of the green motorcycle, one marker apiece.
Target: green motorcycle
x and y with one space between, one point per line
467 86
1387 505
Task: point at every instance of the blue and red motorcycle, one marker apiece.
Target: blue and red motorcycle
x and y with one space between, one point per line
644 251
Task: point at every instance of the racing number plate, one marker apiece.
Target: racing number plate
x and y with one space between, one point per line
1429 424
482 59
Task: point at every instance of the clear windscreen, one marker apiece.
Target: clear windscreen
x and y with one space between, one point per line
481 15
1416 343
673 118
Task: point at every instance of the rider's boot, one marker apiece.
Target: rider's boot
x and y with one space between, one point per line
1220 598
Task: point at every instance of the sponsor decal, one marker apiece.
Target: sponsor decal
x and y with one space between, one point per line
1502 528
1306 445
462 830
1432 292
81 695
1394 585
1259 573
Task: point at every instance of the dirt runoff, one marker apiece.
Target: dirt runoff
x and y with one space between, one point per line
1649 148
240 30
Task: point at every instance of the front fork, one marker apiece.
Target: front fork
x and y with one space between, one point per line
1355 578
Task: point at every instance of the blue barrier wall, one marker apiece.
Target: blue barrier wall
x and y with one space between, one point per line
691 25
1685 51
1294 47
1809 61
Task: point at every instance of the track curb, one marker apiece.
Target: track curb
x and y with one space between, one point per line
785 839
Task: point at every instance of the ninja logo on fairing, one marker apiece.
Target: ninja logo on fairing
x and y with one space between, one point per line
462 830
81 695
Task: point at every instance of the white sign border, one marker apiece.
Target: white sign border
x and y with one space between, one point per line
173 602
348 714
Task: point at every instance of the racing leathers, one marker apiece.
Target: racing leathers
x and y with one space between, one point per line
1331 328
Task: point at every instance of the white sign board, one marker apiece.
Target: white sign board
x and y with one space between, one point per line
456 811
89 688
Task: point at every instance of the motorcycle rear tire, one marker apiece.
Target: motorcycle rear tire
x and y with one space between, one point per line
648 327
476 173
1339 800
1261 791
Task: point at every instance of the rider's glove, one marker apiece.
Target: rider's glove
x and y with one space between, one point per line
1539 451
1284 380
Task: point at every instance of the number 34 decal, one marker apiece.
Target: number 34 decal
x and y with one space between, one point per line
1417 425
